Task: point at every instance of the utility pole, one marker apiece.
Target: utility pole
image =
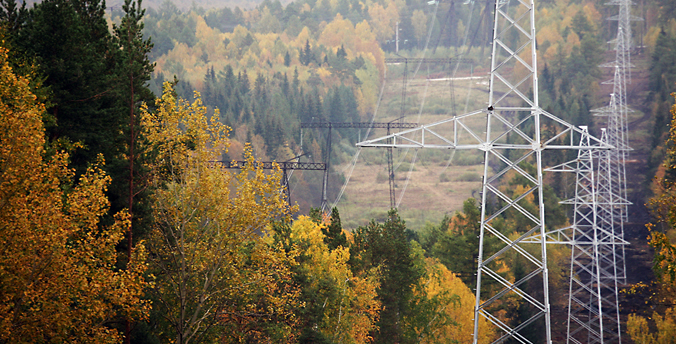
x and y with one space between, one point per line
396 40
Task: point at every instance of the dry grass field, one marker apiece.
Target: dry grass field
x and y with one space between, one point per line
431 191
440 180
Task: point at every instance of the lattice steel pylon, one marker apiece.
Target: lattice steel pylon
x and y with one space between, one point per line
586 316
617 117
611 245
512 131
585 306
593 313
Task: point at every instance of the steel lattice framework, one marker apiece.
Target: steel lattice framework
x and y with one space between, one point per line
593 313
587 318
610 247
616 113
285 166
512 132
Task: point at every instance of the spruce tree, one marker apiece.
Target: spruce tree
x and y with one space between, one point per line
333 233
71 43
386 246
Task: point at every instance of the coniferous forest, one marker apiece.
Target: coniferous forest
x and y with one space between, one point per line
119 221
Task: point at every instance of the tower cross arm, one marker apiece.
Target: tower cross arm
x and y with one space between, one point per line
358 125
468 132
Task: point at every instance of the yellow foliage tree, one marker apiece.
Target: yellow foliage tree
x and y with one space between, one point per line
364 32
419 22
640 332
58 281
348 308
338 32
383 20
457 307
205 245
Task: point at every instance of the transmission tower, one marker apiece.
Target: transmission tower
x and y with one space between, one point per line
585 305
593 313
617 116
611 245
285 166
512 131
357 125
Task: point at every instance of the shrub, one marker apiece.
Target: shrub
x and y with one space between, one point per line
469 177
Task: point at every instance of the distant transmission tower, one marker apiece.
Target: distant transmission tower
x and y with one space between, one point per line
512 131
611 248
602 323
586 317
617 113
355 125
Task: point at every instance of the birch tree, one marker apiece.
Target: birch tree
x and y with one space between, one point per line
204 244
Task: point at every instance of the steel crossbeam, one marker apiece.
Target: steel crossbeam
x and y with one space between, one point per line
395 60
285 165
359 125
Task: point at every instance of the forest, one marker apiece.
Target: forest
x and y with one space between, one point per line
120 223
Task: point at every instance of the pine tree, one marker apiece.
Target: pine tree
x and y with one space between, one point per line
134 70
287 59
12 17
71 43
306 55
458 244
296 82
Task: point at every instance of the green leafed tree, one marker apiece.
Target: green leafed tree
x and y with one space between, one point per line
386 247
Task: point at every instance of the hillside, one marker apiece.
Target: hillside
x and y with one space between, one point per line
274 42
430 185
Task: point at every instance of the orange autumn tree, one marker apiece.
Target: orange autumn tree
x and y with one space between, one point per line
214 275
58 281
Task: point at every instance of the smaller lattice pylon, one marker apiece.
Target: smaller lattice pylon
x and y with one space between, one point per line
284 166
356 125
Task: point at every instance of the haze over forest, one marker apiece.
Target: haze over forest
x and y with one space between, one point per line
120 219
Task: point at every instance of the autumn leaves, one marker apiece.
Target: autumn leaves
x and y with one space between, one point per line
58 279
